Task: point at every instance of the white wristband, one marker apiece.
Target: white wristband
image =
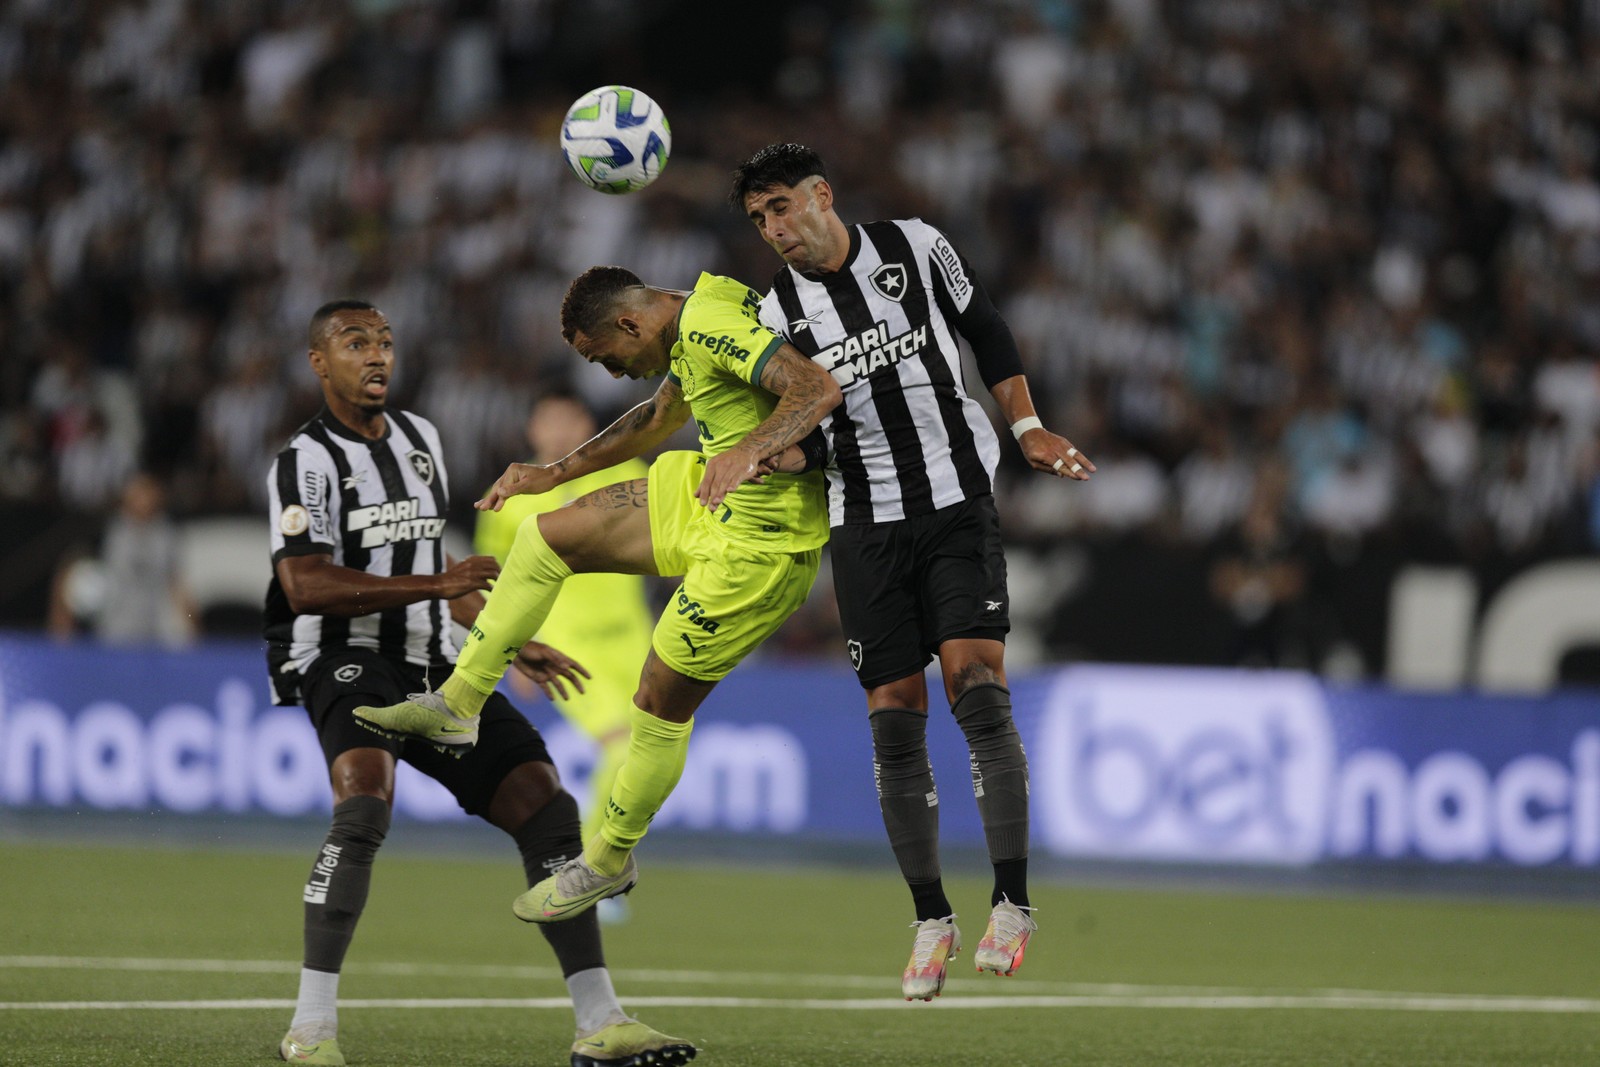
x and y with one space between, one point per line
1022 426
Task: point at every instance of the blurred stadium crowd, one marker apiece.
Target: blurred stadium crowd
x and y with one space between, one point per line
1317 284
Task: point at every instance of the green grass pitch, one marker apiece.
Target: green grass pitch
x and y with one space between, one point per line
114 956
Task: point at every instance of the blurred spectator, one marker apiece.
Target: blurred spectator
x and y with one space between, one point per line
1361 238
93 466
133 594
1259 578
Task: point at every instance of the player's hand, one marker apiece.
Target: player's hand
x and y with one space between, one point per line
725 472
550 669
1056 455
470 575
519 478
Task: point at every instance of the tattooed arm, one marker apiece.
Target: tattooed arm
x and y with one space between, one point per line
806 394
636 432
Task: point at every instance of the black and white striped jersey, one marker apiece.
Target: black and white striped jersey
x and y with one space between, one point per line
907 440
374 506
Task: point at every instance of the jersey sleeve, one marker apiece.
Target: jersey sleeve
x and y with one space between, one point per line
772 316
952 277
722 333
968 307
301 505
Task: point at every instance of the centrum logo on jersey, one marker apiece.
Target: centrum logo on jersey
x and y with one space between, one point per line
393 521
720 345
954 273
862 354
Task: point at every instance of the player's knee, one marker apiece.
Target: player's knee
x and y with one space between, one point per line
899 738
526 790
363 772
361 821
969 675
983 711
910 692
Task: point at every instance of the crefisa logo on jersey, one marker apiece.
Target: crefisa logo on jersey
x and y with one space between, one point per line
422 465
890 281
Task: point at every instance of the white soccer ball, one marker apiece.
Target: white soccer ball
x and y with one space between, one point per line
616 139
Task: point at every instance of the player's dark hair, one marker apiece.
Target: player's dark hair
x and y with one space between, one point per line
320 317
777 164
591 297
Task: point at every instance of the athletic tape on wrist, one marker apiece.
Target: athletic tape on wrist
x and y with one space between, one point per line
1022 426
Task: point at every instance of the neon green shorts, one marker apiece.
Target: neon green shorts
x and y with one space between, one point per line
732 597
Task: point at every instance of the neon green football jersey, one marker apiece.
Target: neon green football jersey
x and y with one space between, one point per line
717 361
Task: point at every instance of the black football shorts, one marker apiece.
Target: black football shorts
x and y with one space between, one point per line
340 682
905 587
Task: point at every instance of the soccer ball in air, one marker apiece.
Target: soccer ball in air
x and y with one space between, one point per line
616 139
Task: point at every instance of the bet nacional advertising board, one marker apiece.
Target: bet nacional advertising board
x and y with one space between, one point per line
1128 763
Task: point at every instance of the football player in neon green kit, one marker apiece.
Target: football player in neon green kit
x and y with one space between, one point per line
603 619
746 541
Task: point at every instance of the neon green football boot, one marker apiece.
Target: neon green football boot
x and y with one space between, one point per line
630 1043
423 715
325 1051
572 890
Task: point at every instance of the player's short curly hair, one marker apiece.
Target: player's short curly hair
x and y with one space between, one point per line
777 164
592 296
324 314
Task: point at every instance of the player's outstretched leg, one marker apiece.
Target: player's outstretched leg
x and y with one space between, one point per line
1006 939
424 715
630 1043
513 613
937 943
657 749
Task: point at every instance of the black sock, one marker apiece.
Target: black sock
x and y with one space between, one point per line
929 900
336 892
1000 782
547 840
909 803
1011 882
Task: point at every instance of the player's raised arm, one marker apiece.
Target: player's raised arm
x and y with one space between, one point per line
807 393
638 430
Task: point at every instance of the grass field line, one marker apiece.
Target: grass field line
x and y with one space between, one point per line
1308 1001
1028 994
524 972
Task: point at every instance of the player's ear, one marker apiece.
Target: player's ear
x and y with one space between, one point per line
319 362
629 325
823 193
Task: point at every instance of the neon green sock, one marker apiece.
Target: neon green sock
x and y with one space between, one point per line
613 754
656 753
515 609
